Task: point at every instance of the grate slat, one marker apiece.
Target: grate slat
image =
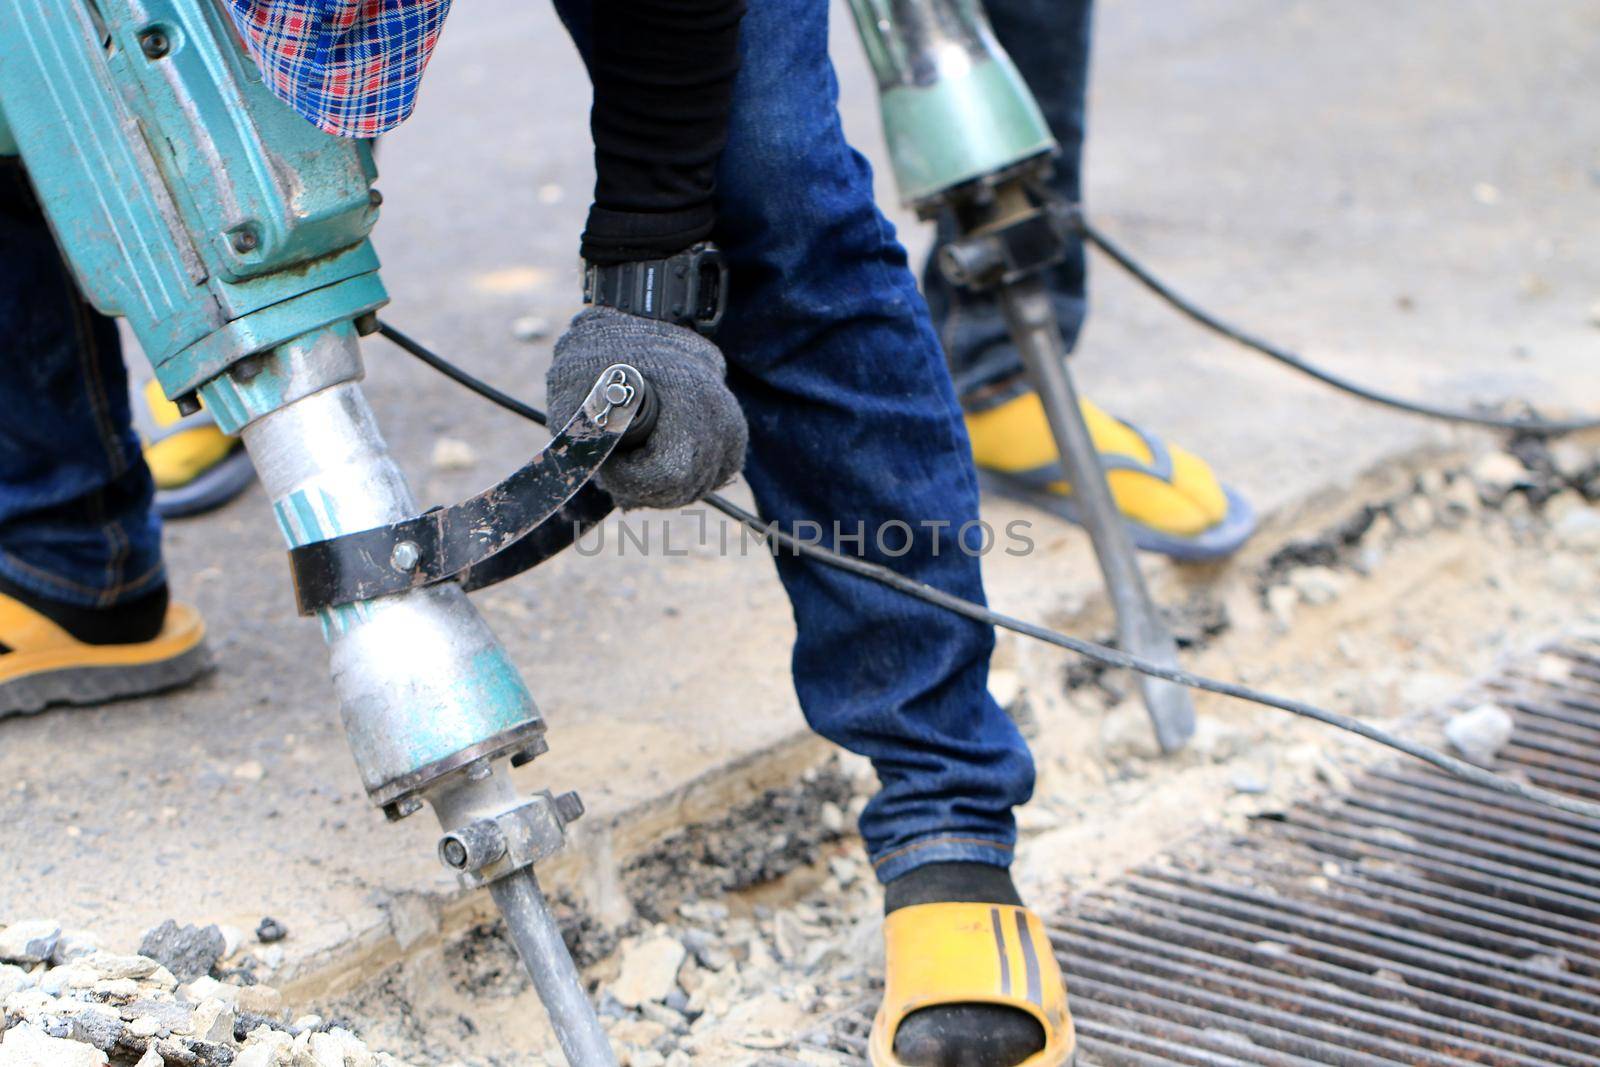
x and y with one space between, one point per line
1412 920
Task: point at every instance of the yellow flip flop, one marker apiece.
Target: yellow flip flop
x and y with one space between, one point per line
1170 499
196 467
42 664
946 954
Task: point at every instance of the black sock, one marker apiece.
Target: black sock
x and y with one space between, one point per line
961 1035
128 623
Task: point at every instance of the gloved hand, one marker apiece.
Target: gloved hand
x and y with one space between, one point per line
700 435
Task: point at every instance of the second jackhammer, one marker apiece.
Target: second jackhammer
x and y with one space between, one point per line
967 140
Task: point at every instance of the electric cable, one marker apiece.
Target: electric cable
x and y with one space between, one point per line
1102 654
1522 423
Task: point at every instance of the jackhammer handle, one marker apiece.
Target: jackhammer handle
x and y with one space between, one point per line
644 423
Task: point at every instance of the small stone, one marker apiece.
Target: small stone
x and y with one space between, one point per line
530 328
207 988
145 1026
270 930
1318 585
250 770
121 989
29 942
1246 784
1496 474
186 951
832 817
338 1048
646 1057
1460 499
24 1046
232 939
1579 529
259 1000
649 970
1479 735
1281 601
212 1021
109 965
13 980
151 1057
1572 460
71 945
60 980
451 454
1414 515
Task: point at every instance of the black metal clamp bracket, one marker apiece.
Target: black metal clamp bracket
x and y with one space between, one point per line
466 540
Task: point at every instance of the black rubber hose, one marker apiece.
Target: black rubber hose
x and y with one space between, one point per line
1523 424
1109 657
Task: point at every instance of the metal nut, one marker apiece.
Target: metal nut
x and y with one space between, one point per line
569 807
155 44
405 557
245 239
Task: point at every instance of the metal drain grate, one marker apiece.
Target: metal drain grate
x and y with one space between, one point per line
1412 920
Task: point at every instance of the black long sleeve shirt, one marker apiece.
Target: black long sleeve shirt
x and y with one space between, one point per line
663 73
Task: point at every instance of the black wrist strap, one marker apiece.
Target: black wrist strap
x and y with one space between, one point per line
689 289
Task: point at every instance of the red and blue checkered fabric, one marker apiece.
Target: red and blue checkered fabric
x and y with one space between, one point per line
351 67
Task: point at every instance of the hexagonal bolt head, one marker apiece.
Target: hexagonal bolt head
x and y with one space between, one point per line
405 556
569 807
472 847
155 44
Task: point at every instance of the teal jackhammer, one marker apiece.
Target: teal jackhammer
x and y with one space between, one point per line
966 139
233 238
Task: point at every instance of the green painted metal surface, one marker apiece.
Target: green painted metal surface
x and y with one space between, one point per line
187 198
960 128
954 107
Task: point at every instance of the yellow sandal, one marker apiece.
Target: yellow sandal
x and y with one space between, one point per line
42 664
940 954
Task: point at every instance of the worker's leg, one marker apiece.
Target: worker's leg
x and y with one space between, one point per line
83 596
854 426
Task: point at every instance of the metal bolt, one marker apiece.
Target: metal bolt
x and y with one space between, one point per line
569 807
473 846
405 557
399 809
154 44
618 393
367 325
374 197
247 369
478 770
532 752
454 853
188 403
245 240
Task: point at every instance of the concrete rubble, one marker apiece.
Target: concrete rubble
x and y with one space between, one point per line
88 1007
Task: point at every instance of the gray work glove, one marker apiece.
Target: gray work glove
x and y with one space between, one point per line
700 435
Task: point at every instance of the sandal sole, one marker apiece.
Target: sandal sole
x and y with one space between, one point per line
80 686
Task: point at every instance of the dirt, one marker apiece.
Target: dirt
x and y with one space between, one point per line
1385 604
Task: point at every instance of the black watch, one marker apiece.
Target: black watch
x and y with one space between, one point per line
689 289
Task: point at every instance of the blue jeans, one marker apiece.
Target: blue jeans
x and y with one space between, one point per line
853 421
1049 41
76 524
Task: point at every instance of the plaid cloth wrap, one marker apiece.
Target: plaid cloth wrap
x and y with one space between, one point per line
351 67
